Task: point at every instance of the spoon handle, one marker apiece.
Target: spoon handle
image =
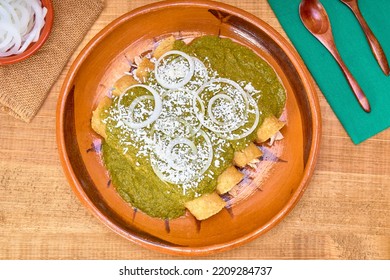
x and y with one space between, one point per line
372 40
357 91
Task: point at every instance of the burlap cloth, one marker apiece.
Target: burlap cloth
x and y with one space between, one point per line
25 85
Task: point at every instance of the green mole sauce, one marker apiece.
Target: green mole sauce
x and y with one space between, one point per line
193 155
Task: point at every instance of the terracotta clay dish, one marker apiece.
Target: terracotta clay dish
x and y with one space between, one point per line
269 191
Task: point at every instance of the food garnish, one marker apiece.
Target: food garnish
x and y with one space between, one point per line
176 138
21 24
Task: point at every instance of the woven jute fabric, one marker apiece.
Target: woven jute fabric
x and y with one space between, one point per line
25 85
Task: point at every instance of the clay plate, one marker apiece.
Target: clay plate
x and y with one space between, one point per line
261 200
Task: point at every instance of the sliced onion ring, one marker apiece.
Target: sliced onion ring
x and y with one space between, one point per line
188 74
231 136
211 103
155 114
213 127
170 147
175 178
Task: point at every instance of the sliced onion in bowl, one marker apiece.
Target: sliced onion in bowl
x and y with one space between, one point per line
22 22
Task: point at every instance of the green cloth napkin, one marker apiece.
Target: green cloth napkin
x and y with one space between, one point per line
357 55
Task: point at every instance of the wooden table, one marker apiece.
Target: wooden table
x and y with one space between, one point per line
344 214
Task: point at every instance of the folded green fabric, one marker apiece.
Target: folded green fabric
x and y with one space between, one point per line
356 53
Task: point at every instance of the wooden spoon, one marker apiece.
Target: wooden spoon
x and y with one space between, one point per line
316 20
372 40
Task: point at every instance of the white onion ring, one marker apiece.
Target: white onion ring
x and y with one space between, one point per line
212 126
211 103
155 114
170 147
157 160
174 85
231 136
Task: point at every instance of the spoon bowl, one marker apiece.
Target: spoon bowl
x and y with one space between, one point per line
314 17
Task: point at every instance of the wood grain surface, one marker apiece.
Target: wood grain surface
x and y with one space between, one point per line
344 214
